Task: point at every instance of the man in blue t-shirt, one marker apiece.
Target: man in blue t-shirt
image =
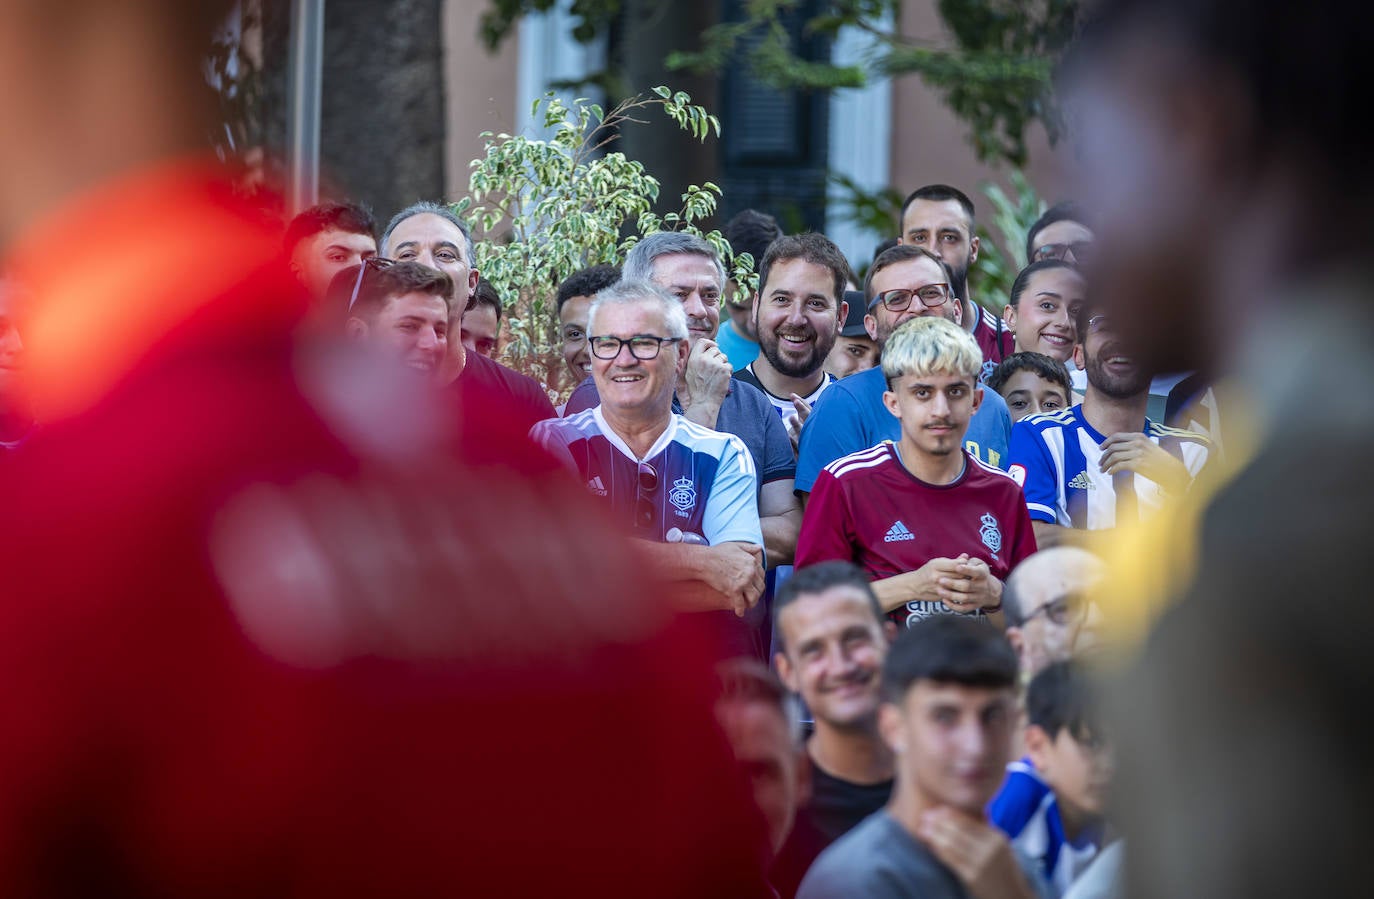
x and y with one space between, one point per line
687 492
904 282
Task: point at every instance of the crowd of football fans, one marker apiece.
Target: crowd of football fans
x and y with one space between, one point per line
293 499
875 500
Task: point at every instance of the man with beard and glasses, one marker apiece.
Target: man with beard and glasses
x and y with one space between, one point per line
832 641
798 313
904 283
1103 463
940 218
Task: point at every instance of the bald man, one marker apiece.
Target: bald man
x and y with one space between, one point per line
1049 618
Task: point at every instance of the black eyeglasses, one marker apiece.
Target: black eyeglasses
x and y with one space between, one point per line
1064 610
644 504
899 300
1081 251
642 346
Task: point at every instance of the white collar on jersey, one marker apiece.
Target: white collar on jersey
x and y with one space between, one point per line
659 445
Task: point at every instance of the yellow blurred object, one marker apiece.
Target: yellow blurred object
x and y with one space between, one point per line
1150 564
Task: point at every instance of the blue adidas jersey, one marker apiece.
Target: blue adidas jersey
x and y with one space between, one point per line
705 480
1057 457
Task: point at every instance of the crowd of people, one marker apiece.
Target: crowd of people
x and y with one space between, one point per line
807 590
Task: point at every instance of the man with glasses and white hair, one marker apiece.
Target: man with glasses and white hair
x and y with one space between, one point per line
688 269
904 282
688 492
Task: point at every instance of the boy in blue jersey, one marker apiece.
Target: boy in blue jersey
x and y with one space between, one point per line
1101 463
688 492
1052 802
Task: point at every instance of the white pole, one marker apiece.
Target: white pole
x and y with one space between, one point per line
305 64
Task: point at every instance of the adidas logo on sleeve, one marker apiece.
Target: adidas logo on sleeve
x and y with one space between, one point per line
897 533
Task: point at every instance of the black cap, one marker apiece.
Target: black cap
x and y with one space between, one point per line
854 321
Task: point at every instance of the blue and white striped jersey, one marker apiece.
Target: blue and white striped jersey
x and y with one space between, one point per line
1056 458
703 482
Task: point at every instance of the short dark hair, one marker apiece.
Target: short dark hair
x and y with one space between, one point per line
352 218
753 232
747 680
901 253
819 578
381 285
587 282
1066 211
1049 368
486 295
1061 697
816 249
1018 287
949 649
938 193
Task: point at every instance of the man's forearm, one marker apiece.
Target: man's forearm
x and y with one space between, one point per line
780 537
684 565
704 412
896 591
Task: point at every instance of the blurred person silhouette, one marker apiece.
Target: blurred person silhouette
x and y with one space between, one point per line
762 726
16 418
250 642
1256 181
1053 803
1048 608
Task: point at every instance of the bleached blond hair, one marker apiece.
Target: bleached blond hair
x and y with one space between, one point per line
931 345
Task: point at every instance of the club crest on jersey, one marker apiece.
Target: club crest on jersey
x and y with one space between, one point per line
991 533
683 496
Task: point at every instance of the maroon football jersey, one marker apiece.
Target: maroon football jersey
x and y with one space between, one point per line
868 509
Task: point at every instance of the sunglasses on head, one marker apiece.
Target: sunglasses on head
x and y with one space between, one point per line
381 263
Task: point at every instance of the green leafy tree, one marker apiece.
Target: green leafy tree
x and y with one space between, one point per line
993 72
543 209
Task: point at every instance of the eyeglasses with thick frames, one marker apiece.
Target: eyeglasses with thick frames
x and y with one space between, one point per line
642 346
1081 250
899 300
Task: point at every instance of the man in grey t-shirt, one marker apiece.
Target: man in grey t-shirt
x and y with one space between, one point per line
949 707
